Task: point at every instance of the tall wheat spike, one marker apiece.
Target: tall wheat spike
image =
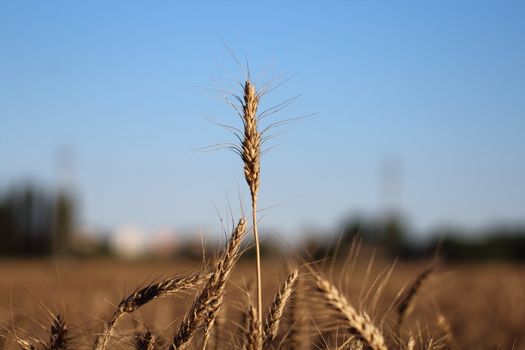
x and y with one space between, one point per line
251 156
208 303
275 314
358 324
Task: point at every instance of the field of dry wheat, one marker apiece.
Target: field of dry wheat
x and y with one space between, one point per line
460 306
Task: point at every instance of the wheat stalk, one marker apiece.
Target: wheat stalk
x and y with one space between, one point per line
273 319
359 325
208 303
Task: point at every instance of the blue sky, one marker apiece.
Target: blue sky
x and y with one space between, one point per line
432 90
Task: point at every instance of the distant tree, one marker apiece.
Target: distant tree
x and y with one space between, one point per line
34 222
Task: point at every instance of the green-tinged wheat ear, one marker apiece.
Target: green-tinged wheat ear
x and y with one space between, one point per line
166 287
275 314
359 325
208 303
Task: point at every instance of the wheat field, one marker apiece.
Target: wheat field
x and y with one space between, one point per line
482 304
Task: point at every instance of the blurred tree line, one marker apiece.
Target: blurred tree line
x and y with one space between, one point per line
34 221
392 235
38 222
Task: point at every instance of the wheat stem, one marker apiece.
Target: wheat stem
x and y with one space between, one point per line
257 265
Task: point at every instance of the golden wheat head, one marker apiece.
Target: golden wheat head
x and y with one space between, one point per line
253 337
207 305
273 319
251 143
359 325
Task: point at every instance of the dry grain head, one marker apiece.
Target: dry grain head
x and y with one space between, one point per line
275 314
253 339
208 303
251 144
358 324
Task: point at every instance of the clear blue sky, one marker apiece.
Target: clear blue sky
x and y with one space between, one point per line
434 88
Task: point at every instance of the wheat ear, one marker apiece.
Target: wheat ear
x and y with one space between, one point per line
273 319
253 337
359 325
142 296
209 301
